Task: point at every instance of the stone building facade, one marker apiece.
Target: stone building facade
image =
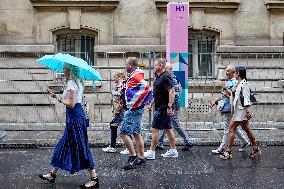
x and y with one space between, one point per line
221 32
143 22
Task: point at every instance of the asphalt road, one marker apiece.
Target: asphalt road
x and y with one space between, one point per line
196 168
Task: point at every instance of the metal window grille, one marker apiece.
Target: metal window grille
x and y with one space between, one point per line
72 43
201 50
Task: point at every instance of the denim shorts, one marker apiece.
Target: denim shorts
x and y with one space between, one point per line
131 123
161 120
116 120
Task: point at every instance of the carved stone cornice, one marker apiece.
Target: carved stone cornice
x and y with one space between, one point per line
205 4
86 4
274 5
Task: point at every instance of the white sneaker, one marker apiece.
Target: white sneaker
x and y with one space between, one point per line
217 151
109 149
170 153
150 154
124 152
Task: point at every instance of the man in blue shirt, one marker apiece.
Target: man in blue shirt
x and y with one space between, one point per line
226 111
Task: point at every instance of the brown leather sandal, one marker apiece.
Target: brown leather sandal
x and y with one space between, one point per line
226 155
49 180
255 152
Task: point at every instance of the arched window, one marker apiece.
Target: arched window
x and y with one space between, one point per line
78 43
201 52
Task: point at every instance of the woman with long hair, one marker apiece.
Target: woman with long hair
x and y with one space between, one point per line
241 114
72 152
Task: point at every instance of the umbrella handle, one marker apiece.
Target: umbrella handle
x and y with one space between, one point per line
94 85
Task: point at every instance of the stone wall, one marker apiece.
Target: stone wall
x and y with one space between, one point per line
241 26
143 22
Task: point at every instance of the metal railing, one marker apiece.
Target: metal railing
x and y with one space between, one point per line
24 100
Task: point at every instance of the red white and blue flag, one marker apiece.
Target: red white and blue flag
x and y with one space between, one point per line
138 92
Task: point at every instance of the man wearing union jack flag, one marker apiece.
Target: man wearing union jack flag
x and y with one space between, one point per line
137 94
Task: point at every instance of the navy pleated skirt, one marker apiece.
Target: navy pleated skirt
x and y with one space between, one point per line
72 153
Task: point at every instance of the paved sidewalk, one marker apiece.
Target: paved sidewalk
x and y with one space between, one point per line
99 136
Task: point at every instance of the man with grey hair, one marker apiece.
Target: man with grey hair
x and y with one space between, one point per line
175 118
226 111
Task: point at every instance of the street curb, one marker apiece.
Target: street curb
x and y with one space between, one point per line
100 138
39 144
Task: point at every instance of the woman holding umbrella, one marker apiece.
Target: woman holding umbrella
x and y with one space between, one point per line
72 152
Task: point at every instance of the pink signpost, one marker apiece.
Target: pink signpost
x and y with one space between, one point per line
177 44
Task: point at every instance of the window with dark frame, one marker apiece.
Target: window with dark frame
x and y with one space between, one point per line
78 45
201 50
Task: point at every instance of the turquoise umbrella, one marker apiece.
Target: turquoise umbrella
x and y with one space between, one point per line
56 62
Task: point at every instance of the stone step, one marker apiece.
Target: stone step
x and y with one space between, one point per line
203 86
101 138
203 113
102 126
253 62
268 98
26 74
260 74
257 68
103 114
276 73
32 114
23 86
261 97
26 99
19 63
33 109
213 86
118 62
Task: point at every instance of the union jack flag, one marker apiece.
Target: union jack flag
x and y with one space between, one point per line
138 92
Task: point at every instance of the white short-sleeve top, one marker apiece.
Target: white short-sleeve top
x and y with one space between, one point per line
76 87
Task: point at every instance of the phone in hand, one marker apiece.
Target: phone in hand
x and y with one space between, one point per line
51 94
